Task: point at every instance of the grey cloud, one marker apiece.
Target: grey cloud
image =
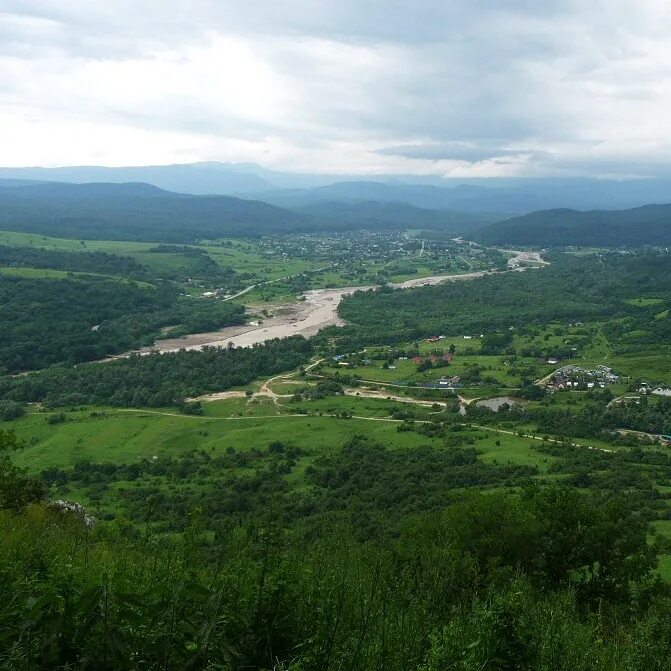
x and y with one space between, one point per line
422 82
455 151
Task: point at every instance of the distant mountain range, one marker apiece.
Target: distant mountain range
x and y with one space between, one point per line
138 211
647 225
193 178
502 197
30 200
393 215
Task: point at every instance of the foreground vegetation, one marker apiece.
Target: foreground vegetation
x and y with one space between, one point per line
541 579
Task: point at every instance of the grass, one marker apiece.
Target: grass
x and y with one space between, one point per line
650 366
126 437
168 263
242 257
48 274
513 450
70 245
42 273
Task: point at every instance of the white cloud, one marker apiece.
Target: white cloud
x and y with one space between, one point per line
436 87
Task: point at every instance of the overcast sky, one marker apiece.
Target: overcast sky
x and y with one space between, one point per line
460 88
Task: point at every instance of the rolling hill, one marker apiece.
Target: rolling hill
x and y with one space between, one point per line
376 214
511 196
647 225
137 211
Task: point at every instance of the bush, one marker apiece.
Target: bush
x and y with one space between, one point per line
10 410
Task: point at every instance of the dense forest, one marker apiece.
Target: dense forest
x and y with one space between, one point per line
158 379
80 262
638 227
371 214
47 321
137 212
570 289
550 578
101 211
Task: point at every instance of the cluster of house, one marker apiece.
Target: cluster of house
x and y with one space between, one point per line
573 378
645 388
217 293
450 382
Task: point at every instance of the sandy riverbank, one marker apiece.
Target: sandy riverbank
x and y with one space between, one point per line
305 317
318 309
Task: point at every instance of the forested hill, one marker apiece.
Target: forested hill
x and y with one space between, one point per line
137 212
648 225
392 215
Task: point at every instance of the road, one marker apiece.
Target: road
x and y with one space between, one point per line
277 279
545 380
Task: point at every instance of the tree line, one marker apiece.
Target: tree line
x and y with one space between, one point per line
49 321
157 380
570 289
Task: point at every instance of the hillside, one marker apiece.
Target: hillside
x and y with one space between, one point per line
139 211
376 214
648 225
195 178
136 211
511 196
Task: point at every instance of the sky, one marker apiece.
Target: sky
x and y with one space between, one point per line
452 88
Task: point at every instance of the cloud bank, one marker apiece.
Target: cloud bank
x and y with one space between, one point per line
477 89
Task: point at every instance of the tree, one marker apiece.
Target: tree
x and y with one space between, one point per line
10 410
16 490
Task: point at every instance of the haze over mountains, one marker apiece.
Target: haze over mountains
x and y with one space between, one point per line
185 203
500 196
140 211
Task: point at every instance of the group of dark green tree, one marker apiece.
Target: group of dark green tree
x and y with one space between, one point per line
537 577
572 288
156 380
103 306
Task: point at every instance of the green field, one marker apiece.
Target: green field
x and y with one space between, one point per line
243 257
112 436
49 274
43 273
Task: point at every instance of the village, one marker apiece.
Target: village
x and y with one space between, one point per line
576 378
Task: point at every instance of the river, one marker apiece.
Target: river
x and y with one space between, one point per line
319 308
306 317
